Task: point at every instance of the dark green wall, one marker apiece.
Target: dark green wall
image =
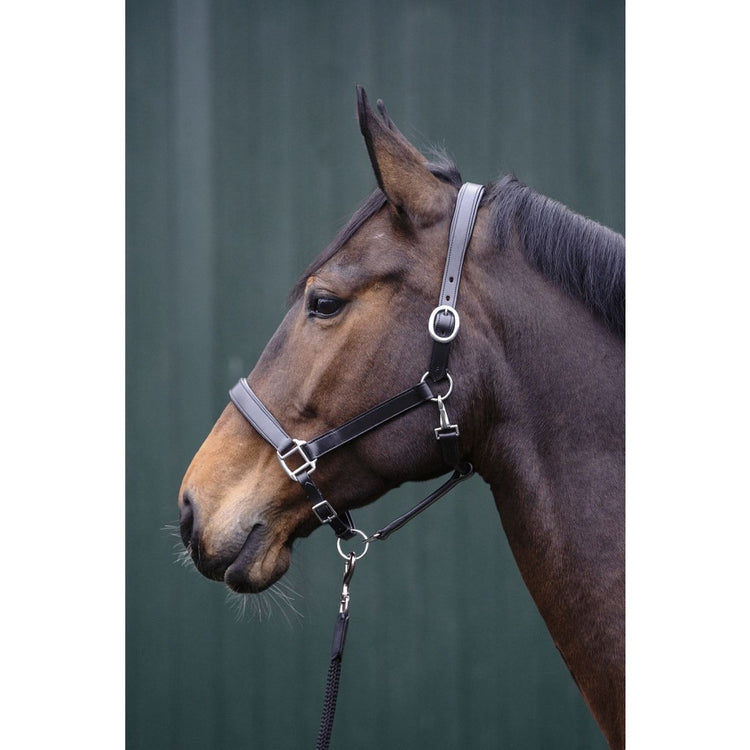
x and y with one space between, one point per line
243 159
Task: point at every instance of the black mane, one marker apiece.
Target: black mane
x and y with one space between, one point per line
585 258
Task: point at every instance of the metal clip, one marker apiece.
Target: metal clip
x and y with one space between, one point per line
348 573
446 428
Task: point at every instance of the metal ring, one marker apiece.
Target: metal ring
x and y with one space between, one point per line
431 324
356 557
450 385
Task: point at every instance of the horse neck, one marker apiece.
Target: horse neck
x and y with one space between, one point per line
548 436
552 376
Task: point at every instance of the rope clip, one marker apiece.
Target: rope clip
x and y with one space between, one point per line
446 429
348 574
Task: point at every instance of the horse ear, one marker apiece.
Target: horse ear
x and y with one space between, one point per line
400 169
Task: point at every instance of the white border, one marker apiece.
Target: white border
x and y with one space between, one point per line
62 141
62 312
688 374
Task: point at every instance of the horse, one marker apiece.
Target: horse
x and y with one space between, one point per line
538 369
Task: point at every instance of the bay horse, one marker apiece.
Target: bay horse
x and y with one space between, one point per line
539 395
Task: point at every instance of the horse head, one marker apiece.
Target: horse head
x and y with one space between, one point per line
355 335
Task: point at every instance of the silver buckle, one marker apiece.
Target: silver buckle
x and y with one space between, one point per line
308 464
433 317
328 508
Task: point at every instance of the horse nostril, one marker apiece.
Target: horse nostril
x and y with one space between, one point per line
187 518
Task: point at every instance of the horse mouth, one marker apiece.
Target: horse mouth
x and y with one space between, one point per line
258 565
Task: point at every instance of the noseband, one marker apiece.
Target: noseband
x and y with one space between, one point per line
443 327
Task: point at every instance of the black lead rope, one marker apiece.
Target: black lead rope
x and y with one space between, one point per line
337 653
342 620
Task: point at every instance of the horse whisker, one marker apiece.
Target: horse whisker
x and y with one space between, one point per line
263 605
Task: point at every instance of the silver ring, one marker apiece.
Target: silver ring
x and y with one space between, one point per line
364 551
431 324
450 385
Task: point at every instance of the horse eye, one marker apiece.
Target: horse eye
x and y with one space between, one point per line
325 307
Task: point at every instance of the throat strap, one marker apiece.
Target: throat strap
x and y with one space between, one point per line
458 476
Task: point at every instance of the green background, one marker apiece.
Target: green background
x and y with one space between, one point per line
243 159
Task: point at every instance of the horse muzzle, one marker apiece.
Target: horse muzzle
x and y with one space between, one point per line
246 562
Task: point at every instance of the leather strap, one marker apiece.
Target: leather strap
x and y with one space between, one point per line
445 322
450 445
341 523
369 420
458 476
252 408
464 217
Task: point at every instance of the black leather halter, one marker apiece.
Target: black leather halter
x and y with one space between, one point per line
443 326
